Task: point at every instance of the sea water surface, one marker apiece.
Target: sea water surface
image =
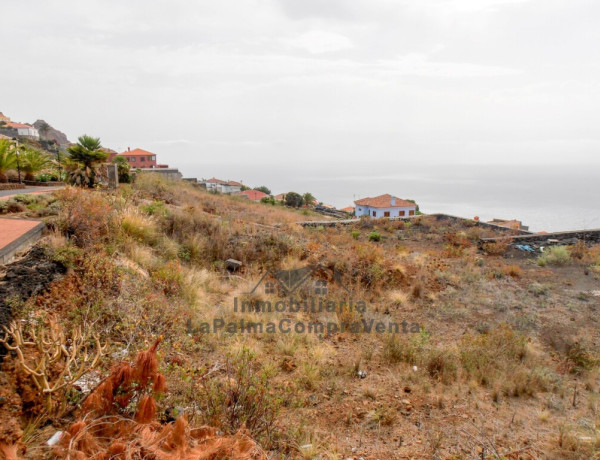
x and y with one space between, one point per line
544 197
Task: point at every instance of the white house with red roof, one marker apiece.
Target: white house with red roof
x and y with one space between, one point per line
222 186
384 206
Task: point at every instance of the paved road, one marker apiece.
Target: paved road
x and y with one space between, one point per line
35 190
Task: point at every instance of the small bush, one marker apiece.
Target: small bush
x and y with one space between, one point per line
487 357
85 216
11 206
513 271
498 247
156 208
374 236
355 234
442 365
243 398
580 357
139 227
556 255
25 199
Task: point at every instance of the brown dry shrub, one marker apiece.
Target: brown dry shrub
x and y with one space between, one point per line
10 429
94 282
498 247
513 271
113 430
578 250
86 217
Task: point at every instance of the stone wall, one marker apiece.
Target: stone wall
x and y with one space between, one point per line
550 239
477 223
9 132
10 186
438 216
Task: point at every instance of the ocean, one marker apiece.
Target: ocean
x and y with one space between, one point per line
545 197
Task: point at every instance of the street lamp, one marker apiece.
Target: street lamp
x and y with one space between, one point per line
57 147
18 157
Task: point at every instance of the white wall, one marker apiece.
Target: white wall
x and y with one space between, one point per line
380 212
31 132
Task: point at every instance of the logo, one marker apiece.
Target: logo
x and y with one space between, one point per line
316 278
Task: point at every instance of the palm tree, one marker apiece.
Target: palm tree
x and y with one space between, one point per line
85 157
8 159
33 161
123 169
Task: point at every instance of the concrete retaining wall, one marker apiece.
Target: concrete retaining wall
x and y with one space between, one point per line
20 244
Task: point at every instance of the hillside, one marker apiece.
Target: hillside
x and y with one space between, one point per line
48 133
480 354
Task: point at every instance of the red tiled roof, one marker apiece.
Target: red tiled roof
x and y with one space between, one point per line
214 180
348 209
384 201
136 153
253 195
12 124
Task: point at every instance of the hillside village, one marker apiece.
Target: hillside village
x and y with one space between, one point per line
138 159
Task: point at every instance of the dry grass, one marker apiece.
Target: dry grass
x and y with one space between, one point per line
161 264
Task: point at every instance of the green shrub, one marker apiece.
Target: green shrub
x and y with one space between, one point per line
556 255
25 199
156 208
267 200
355 234
374 236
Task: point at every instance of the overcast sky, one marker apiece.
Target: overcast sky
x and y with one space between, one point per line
283 81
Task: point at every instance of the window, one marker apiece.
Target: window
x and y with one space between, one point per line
142 158
386 214
411 213
269 287
402 213
151 158
374 214
132 159
321 287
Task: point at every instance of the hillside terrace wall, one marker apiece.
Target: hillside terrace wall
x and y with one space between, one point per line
549 239
438 216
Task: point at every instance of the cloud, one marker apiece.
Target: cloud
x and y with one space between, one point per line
419 65
320 41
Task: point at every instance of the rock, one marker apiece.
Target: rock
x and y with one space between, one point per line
54 438
48 133
233 265
362 374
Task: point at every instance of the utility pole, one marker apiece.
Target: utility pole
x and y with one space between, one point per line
18 157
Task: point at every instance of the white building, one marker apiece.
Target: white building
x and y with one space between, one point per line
384 206
24 130
222 186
